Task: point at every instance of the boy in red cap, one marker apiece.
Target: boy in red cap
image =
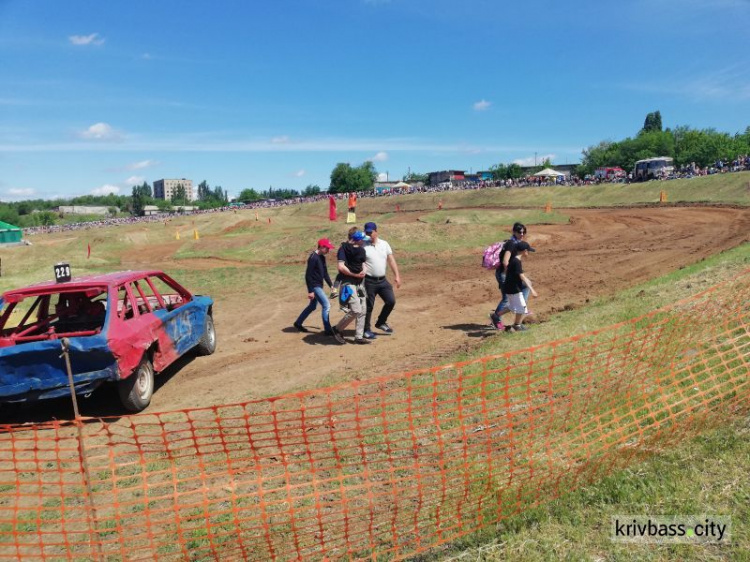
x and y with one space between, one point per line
316 273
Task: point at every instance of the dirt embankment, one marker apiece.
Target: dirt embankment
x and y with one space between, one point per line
442 305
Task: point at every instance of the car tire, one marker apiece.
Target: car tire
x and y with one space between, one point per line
136 390
207 345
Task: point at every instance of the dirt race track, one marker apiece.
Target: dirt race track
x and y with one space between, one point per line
442 305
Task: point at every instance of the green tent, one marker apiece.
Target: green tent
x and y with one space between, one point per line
9 233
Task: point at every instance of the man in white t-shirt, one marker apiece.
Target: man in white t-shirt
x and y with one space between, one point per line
379 257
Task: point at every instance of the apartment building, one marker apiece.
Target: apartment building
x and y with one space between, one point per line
164 189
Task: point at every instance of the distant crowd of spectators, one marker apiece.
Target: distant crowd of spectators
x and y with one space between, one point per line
739 164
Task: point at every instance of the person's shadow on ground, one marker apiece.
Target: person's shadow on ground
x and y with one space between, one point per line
474 330
319 338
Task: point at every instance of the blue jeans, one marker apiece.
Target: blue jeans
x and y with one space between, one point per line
320 297
502 306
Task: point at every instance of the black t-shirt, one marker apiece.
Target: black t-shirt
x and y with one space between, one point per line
354 258
509 246
513 283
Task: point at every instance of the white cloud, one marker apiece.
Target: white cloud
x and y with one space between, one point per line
299 173
282 139
106 190
92 39
482 105
379 157
20 191
211 142
382 176
143 164
537 160
135 180
100 131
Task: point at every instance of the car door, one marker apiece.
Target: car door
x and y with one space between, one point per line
175 309
131 332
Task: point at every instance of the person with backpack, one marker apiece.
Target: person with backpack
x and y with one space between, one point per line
351 264
506 252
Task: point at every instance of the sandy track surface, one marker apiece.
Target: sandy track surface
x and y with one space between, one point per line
441 307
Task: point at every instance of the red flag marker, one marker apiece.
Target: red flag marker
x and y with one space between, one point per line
331 208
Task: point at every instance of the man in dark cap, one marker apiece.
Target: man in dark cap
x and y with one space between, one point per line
379 257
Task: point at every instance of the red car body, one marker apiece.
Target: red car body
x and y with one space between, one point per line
122 327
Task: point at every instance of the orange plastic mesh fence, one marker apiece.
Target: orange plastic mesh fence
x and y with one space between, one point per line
382 468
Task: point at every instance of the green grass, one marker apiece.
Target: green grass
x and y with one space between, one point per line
702 476
720 189
469 219
706 475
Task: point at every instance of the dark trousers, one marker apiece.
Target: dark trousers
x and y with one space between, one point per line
385 290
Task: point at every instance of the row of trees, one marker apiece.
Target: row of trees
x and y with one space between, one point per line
207 197
250 195
345 178
40 212
704 147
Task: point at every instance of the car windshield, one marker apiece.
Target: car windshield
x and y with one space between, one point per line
52 315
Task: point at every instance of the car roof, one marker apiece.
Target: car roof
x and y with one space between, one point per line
86 282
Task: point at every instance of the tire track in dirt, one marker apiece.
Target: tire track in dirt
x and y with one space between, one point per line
442 306
443 303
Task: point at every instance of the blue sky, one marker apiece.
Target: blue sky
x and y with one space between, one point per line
96 96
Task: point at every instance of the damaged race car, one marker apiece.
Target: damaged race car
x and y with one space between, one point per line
122 327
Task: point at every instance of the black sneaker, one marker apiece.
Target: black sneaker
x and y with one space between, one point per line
361 341
384 327
337 335
368 335
519 328
300 328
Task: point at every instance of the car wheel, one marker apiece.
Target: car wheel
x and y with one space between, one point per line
207 345
136 390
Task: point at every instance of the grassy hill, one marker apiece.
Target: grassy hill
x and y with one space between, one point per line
707 475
